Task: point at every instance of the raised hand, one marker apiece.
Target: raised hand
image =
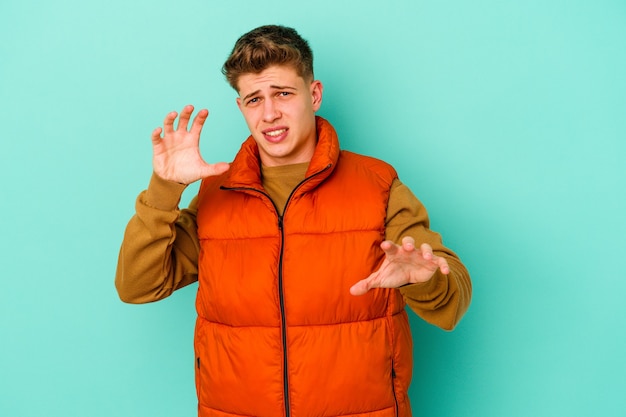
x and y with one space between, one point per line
176 156
403 264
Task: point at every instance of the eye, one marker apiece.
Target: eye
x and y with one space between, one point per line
284 93
253 100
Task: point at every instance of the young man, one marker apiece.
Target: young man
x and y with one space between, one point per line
305 254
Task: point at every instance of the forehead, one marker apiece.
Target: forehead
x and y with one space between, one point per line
272 77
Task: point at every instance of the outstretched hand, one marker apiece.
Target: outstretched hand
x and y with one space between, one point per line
403 264
176 156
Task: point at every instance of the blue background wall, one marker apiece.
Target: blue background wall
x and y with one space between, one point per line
507 118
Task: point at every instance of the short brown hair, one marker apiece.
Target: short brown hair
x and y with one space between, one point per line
266 46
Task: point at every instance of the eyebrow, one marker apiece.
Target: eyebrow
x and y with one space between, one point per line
274 87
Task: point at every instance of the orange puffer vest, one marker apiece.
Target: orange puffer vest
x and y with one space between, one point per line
278 332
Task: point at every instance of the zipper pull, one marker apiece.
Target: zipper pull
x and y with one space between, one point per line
280 222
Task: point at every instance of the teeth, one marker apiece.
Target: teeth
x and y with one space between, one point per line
275 133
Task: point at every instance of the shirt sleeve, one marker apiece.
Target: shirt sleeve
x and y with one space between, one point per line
159 252
443 299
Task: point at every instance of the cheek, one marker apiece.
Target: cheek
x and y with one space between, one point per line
249 116
298 110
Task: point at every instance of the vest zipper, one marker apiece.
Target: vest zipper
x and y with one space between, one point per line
281 295
281 301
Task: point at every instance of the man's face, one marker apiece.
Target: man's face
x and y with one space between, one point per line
279 107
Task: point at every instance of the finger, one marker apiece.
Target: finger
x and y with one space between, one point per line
408 243
156 135
427 251
168 123
389 247
185 115
443 265
198 121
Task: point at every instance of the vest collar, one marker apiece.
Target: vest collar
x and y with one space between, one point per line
245 170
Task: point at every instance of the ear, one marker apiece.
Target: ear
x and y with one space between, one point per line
317 90
239 103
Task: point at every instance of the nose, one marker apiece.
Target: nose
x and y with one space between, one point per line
270 111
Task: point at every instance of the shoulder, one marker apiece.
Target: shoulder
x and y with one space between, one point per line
364 163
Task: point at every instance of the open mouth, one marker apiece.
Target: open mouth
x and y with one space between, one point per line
275 135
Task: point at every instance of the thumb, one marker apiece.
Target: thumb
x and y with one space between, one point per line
210 170
361 287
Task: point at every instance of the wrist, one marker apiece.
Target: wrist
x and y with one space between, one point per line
163 194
